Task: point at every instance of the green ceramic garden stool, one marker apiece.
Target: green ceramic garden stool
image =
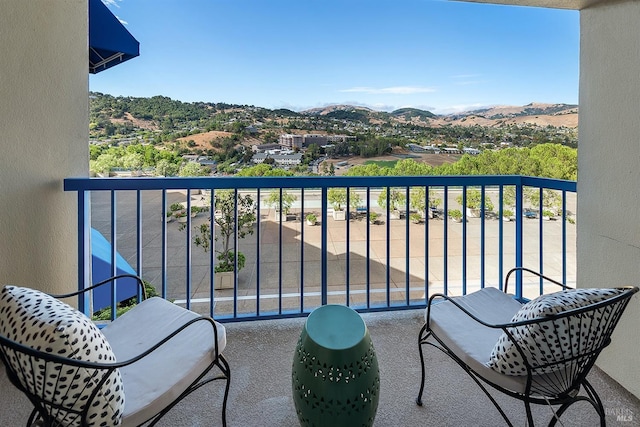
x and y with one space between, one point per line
336 381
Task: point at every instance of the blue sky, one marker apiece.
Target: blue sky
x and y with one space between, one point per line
441 56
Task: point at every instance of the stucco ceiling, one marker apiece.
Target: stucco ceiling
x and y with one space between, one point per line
555 4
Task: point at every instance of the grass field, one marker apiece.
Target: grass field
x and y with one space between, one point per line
382 163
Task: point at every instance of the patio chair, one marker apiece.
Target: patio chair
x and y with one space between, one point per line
539 352
132 372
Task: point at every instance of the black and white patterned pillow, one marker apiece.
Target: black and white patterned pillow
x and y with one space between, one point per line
44 323
548 343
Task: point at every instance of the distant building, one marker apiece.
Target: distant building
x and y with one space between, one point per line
317 139
287 160
284 161
264 147
303 141
258 158
340 138
202 161
291 141
448 150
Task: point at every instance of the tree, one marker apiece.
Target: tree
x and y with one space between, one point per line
192 169
551 200
166 168
509 196
133 161
337 196
418 201
474 200
277 202
226 227
104 163
263 169
396 198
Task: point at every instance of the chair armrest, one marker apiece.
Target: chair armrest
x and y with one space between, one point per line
528 270
109 280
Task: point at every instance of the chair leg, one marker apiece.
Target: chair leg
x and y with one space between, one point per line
420 342
592 398
530 422
224 367
598 403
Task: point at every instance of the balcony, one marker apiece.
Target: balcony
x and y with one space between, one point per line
292 267
384 270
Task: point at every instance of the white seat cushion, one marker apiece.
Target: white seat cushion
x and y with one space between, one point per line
469 340
157 380
39 321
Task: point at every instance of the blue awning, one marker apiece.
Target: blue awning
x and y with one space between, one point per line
109 41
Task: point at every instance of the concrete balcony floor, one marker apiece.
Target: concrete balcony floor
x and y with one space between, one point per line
261 353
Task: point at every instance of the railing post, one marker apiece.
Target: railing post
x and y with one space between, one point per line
464 240
323 249
114 251
445 241
564 236
501 238
519 240
188 252
139 238
84 250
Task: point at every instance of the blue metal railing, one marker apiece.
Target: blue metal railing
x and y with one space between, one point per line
292 267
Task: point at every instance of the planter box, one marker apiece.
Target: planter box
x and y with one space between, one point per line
223 280
339 215
395 214
277 216
473 213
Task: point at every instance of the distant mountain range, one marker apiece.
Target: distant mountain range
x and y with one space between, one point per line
557 115
165 119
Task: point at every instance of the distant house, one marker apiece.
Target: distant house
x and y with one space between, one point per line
208 163
190 157
416 148
448 150
258 158
287 160
340 138
284 161
264 147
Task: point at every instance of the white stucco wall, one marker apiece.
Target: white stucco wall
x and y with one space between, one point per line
43 139
609 171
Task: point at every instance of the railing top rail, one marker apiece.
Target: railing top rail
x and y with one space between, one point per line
176 183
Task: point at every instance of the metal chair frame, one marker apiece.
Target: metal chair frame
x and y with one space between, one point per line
555 394
42 416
